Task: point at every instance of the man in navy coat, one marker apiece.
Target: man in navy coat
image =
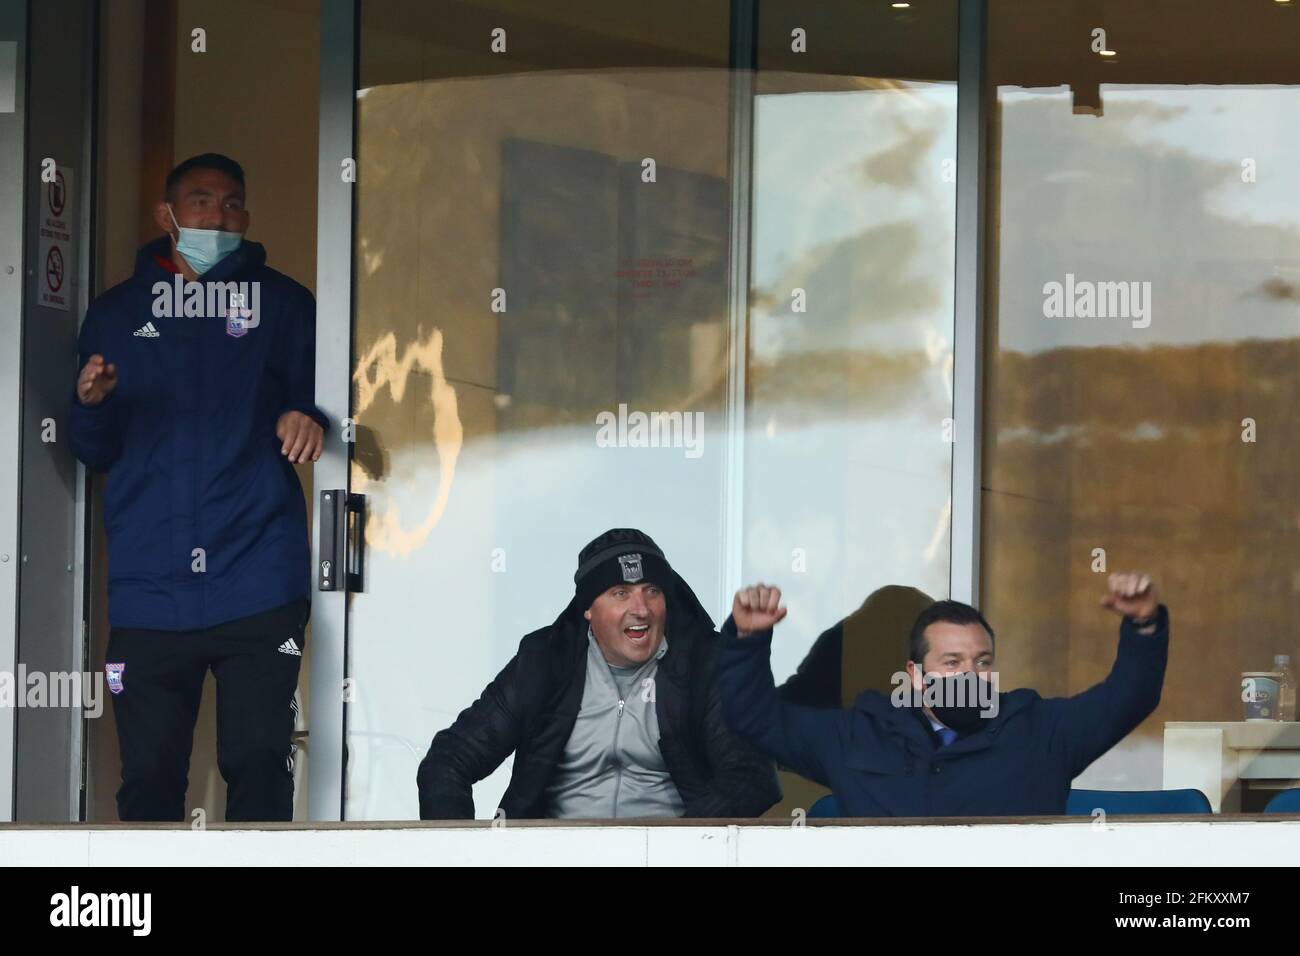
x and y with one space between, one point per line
946 742
196 394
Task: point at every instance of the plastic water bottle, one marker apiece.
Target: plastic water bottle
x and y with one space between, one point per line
1286 687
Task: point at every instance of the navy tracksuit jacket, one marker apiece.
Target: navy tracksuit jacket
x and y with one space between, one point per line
188 440
883 761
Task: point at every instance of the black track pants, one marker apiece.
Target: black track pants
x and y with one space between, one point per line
156 693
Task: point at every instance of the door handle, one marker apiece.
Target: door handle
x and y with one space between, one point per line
342 541
356 534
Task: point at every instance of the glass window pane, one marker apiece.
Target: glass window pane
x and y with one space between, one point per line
545 346
848 452
522 280
1144 231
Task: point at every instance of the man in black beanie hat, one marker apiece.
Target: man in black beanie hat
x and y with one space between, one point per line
611 712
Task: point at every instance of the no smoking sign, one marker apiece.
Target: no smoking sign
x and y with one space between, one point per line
54 269
57 242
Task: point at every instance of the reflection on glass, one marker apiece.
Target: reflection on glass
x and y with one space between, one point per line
848 472
518 281
542 340
847 457
1144 235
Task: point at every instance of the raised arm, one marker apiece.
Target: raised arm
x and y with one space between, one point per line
804 739
1092 722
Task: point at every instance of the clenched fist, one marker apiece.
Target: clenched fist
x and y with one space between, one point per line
96 381
1132 595
302 436
756 608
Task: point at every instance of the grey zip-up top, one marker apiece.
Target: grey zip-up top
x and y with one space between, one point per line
612 766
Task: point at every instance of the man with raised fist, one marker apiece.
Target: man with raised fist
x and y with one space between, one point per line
946 742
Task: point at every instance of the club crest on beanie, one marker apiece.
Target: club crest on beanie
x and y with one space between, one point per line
619 556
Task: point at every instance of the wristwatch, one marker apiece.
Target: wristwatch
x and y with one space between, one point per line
1147 621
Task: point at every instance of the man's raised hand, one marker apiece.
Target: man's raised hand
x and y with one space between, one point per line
96 381
756 608
1132 595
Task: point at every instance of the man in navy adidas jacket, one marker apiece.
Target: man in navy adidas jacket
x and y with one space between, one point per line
196 395
945 754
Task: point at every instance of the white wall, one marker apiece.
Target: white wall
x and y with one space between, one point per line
1056 843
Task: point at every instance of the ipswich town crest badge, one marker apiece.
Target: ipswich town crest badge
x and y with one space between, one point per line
631 564
114 672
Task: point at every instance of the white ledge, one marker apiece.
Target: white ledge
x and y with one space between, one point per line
1175 841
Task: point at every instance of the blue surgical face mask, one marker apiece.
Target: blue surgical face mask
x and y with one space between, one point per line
204 248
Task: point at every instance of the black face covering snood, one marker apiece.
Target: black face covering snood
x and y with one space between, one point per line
957 699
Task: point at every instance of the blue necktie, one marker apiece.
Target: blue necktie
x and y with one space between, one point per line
946 736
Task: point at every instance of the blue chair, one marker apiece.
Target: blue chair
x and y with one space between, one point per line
1288 801
826 808
1128 802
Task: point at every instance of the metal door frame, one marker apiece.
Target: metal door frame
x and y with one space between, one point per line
338 73
13 143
